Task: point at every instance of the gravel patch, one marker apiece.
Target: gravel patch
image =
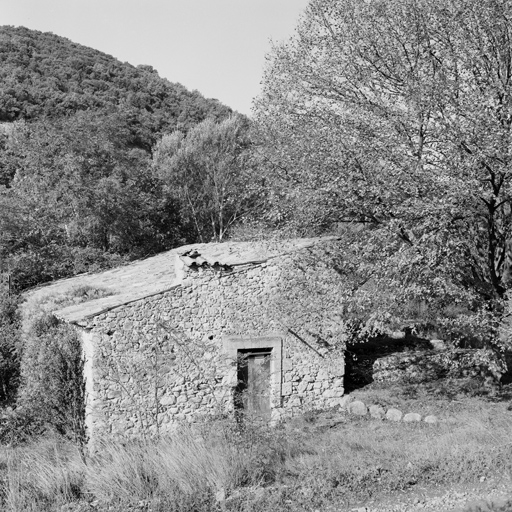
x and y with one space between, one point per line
452 500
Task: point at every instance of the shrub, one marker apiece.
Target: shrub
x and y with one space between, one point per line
53 387
52 390
9 348
19 426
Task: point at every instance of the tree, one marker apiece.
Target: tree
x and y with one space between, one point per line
52 389
209 173
83 197
396 116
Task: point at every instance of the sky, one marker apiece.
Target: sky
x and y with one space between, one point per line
215 46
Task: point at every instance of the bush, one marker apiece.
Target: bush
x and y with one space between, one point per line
19 427
52 390
10 348
53 387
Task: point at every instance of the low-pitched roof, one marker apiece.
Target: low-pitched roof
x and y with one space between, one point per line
157 274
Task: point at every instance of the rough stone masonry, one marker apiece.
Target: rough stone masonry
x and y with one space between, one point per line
173 356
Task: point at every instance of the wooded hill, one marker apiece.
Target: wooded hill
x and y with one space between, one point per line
44 75
80 187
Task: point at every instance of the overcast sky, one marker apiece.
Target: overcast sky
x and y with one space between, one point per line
215 46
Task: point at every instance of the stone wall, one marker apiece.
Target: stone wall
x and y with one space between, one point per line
169 358
426 366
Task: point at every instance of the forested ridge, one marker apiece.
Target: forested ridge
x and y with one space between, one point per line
45 75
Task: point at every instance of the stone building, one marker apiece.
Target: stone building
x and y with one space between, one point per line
207 329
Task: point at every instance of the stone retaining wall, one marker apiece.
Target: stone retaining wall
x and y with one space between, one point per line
423 366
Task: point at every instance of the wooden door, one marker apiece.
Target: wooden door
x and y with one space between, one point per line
253 391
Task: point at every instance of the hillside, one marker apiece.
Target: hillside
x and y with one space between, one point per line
79 189
45 75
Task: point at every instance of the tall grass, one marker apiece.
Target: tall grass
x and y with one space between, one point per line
217 466
192 470
41 476
185 463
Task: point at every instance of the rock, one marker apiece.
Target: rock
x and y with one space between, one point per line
220 495
394 415
438 344
377 411
322 375
168 400
412 417
357 408
333 402
111 394
432 420
345 401
287 389
328 393
301 388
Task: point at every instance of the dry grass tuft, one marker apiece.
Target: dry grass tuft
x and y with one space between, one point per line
184 463
301 465
40 476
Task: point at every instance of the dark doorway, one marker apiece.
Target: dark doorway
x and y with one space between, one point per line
360 357
252 395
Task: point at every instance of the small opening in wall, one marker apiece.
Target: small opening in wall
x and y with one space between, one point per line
210 337
109 332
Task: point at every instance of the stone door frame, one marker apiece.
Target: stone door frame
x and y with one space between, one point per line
232 344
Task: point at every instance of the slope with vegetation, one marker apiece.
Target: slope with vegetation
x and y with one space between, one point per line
80 188
45 75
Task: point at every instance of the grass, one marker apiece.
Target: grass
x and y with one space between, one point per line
41 476
35 308
321 460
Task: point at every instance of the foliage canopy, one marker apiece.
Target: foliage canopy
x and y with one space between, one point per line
210 174
393 119
45 75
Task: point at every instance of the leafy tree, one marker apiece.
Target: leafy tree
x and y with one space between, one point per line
396 117
52 387
83 197
209 173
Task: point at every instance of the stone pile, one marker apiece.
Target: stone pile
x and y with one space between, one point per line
359 408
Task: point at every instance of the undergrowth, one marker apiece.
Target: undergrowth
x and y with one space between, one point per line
297 466
51 391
